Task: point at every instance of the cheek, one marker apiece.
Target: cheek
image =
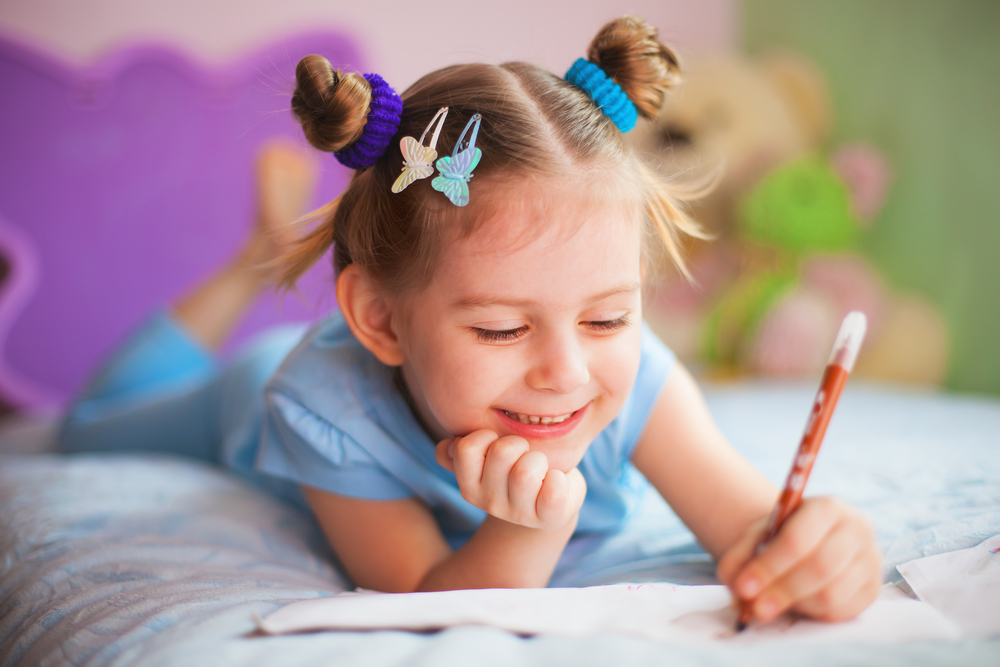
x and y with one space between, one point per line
461 382
618 364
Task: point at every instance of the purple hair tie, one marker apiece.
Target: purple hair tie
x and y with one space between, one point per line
384 112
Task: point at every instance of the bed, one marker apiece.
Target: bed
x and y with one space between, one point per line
155 560
128 559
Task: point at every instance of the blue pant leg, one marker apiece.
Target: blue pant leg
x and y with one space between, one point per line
160 354
183 420
164 393
159 392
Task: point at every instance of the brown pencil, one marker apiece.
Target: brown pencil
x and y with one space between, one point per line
845 352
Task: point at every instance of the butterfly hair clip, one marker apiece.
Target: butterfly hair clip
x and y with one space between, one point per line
418 160
457 169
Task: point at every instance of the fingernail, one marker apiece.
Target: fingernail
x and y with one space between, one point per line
451 449
749 587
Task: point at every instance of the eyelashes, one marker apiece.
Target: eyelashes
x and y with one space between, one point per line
610 325
501 336
508 335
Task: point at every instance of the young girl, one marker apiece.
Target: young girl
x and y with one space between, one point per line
487 389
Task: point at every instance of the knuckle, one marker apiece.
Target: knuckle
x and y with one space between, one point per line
469 495
557 500
524 475
795 545
552 517
826 502
821 568
866 527
494 507
825 598
464 447
506 448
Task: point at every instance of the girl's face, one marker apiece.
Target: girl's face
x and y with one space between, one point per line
530 326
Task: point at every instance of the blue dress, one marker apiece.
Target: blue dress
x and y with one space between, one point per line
314 407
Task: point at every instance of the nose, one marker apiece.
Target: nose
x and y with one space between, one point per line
560 365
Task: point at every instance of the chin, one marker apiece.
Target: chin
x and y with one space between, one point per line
564 454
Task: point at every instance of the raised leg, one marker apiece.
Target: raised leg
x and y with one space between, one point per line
162 390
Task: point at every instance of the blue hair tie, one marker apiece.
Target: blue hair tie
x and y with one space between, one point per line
607 94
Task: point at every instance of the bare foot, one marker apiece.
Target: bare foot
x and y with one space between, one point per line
286 180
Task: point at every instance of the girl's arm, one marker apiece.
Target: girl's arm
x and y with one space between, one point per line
711 487
396 546
824 562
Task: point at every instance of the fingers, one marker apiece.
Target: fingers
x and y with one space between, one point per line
525 482
745 548
849 594
560 497
824 562
504 478
804 530
814 574
500 460
468 456
445 455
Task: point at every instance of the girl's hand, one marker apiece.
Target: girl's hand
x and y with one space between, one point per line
502 477
824 563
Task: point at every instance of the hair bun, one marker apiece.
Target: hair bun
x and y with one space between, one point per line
629 51
331 106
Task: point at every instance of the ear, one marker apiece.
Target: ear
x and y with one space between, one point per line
368 314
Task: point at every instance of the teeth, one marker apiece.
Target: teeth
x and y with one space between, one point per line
534 419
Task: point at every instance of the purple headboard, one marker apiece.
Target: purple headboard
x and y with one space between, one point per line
124 183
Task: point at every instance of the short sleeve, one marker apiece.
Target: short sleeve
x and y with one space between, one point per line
300 446
655 362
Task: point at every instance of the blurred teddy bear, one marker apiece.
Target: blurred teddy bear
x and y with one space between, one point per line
783 270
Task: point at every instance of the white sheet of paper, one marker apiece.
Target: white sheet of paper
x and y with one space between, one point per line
661 612
963 585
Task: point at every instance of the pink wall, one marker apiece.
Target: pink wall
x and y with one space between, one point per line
400 40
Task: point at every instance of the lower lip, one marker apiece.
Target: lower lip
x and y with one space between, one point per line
542 430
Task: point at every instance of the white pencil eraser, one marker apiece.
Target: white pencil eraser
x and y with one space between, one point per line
849 338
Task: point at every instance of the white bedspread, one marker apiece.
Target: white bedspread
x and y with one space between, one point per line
154 560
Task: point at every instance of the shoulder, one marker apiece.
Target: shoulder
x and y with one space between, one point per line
327 346
614 445
322 416
330 373
655 358
655 362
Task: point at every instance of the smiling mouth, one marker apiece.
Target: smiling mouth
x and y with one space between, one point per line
536 420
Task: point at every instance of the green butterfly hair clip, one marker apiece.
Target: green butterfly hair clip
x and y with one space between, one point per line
457 169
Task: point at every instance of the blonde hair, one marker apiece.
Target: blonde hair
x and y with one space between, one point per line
533 123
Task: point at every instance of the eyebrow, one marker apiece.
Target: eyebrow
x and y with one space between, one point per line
484 300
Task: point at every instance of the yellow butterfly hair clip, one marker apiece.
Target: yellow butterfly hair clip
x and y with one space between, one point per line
418 160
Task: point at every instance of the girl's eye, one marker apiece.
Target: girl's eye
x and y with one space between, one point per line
609 325
499 336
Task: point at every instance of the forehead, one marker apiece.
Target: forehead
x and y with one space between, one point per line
540 239
523 209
